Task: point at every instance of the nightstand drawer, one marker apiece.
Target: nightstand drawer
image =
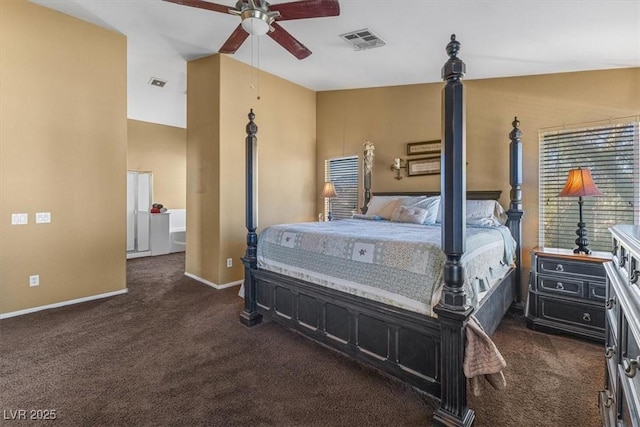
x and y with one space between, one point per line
561 286
572 313
560 266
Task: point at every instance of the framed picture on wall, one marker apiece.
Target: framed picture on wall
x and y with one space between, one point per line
423 166
427 147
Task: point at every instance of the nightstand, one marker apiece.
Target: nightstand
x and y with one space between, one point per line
567 293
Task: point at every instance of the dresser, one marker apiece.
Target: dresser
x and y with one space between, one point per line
567 293
620 400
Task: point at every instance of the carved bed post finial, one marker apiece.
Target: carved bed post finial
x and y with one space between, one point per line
250 315
368 157
515 212
453 311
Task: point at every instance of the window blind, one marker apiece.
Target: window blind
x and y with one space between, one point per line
611 152
343 172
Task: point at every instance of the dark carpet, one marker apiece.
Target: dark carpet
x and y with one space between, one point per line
172 352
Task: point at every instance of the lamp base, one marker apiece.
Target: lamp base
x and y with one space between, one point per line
582 240
329 216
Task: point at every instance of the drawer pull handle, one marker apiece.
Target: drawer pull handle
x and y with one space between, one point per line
609 352
614 249
586 317
611 302
630 366
560 286
623 260
609 400
635 275
559 267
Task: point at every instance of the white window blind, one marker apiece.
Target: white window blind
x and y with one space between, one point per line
611 152
343 172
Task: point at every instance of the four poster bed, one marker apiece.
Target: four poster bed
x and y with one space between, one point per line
394 320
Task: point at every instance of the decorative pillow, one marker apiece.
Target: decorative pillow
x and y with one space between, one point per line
409 214
384 206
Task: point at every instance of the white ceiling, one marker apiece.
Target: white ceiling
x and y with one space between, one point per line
499 39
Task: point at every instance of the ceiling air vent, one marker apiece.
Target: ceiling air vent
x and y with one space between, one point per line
154 81
363 39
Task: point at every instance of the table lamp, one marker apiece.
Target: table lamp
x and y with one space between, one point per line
580 184
329 192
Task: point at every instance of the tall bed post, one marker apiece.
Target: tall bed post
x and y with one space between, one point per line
453 311
367 166
515 212
250 315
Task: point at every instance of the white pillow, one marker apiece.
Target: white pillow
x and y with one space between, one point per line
432 205
482 212
382 206
409 214
485 212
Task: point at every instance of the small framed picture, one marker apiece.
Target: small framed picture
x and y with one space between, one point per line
426 147
424 166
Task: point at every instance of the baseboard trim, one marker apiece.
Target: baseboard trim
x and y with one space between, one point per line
213 285
62 304
133 255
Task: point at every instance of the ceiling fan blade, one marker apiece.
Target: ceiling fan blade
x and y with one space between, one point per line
201 4
306 9
234 41
287 41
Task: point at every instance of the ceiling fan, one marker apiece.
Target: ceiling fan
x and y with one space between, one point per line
259 17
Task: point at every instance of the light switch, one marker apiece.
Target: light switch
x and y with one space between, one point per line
19 219
43 217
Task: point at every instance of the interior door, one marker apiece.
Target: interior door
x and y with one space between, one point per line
143 211
139 195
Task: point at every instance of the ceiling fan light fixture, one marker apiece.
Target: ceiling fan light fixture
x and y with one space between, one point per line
255 22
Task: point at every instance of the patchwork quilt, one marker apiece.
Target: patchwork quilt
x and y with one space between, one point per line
399 264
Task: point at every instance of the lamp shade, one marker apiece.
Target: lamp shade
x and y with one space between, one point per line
328 190
580 184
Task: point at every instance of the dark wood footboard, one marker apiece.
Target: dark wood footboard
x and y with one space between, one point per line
399 342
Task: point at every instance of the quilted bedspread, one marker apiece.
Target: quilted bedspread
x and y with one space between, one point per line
399 264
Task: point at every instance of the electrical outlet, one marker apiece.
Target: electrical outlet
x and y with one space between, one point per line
19 219
34 280
229 262
43 217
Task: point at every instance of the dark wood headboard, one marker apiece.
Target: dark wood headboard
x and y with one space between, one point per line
471 194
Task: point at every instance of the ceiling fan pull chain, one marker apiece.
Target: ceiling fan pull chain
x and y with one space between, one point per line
258 98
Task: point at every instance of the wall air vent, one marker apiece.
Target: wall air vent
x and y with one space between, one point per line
363 39
154 81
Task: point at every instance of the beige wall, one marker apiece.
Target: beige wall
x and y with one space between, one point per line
219 99
63 142
392 116
203 166
161 150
